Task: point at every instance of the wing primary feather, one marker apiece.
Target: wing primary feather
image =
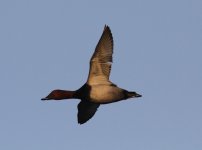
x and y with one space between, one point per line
86 111
101 60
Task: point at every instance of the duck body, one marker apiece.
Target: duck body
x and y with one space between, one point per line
98 89
103 94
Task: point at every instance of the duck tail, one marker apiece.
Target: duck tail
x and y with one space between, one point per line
132 94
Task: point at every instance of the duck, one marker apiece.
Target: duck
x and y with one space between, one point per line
98 89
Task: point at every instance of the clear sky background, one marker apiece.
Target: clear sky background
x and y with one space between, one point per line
46 45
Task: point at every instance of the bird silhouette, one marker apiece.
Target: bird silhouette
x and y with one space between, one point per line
98 89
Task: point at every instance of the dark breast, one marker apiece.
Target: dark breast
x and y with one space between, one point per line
84 92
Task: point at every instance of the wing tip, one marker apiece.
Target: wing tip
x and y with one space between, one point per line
80 122
106 27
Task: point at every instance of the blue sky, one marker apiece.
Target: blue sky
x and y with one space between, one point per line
47 45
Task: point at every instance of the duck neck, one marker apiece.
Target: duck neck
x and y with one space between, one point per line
63 94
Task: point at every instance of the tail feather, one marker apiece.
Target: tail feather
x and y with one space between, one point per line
132 94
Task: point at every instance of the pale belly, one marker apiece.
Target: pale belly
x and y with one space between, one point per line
106 94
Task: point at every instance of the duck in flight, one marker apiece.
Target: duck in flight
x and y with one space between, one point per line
98 89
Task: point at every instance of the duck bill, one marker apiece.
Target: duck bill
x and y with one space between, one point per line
43 99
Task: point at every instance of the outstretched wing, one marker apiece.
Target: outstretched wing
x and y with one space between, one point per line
101 61
86 111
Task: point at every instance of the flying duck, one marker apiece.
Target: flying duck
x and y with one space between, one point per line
98 89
